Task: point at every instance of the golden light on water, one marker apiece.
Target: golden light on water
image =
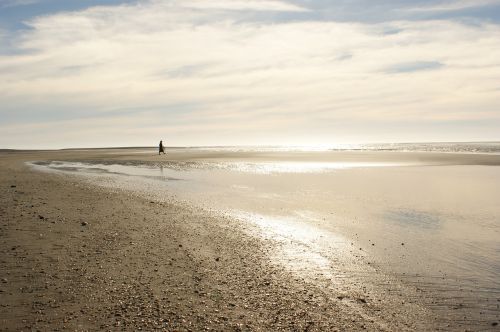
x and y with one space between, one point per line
303 167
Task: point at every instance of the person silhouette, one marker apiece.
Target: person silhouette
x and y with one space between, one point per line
161 149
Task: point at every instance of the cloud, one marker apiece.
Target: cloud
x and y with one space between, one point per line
16 3
175 67
454 5
239 5
397 10
409 67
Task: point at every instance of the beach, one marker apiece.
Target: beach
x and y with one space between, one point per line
219 239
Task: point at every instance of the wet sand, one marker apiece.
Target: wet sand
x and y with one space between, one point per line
82 257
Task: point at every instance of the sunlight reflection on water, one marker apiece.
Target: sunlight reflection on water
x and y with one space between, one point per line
301 246
246 167
301 167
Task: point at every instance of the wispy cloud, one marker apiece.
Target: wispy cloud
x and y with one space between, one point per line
16 3
408 67
454 5
258 5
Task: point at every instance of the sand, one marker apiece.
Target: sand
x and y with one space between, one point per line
81 257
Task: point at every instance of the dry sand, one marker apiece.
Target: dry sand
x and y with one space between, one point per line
78 257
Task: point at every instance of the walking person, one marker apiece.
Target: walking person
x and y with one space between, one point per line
161 149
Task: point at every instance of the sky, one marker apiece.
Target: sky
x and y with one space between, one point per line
87 73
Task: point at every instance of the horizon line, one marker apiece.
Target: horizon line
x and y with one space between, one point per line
245 145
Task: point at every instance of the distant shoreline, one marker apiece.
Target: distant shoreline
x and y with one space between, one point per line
384 146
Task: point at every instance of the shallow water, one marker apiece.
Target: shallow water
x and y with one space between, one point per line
435 227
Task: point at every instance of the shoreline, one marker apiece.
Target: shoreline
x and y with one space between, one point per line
83 257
